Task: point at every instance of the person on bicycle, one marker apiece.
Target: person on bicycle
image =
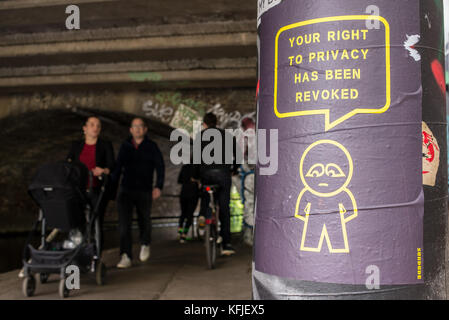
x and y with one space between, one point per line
188 199
218 173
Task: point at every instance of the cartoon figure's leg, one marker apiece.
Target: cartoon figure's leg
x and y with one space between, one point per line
336 233
312 236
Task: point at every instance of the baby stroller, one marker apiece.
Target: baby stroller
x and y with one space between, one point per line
59 189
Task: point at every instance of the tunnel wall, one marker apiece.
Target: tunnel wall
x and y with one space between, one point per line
176 108
40 127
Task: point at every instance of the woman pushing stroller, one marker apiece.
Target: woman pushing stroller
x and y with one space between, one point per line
72 202
98 156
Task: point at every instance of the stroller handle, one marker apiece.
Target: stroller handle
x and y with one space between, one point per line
103 177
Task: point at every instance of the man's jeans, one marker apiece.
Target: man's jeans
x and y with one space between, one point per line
126 202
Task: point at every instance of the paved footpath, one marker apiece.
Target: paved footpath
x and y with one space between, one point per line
174 272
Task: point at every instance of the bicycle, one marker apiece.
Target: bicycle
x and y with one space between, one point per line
211 232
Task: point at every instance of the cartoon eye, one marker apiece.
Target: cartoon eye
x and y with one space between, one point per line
316 171
334 171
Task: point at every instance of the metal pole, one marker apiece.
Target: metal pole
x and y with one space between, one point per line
357 208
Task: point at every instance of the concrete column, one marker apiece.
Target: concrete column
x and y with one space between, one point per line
358 206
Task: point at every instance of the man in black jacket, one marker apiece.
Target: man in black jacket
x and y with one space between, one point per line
218 172
137 159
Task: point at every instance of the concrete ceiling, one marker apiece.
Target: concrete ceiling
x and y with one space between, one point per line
174 43
17 16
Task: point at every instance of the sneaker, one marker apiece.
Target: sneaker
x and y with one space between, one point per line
182 238
125 262
201 225
144 253
227 250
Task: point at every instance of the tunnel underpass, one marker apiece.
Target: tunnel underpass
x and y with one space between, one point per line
169 63
173 267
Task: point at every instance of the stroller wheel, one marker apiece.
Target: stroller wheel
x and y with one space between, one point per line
43 277
63 290
29 286
100 273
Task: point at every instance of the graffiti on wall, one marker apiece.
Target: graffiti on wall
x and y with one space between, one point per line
184 117
231 119
158 111
178 112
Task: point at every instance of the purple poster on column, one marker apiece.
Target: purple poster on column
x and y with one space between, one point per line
342 86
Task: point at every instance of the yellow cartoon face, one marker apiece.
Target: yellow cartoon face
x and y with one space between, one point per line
321 176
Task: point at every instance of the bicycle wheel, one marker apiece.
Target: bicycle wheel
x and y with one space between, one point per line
210 241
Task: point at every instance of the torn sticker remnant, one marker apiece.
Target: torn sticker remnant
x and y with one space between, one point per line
431 156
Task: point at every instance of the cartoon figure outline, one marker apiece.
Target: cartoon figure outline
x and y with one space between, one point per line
331 170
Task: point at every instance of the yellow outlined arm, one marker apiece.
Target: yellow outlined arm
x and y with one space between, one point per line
354 206
298 210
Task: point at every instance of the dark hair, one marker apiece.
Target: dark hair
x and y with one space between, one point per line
90 117
141 119
210 120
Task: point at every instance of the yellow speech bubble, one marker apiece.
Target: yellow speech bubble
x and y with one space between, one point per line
326 112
